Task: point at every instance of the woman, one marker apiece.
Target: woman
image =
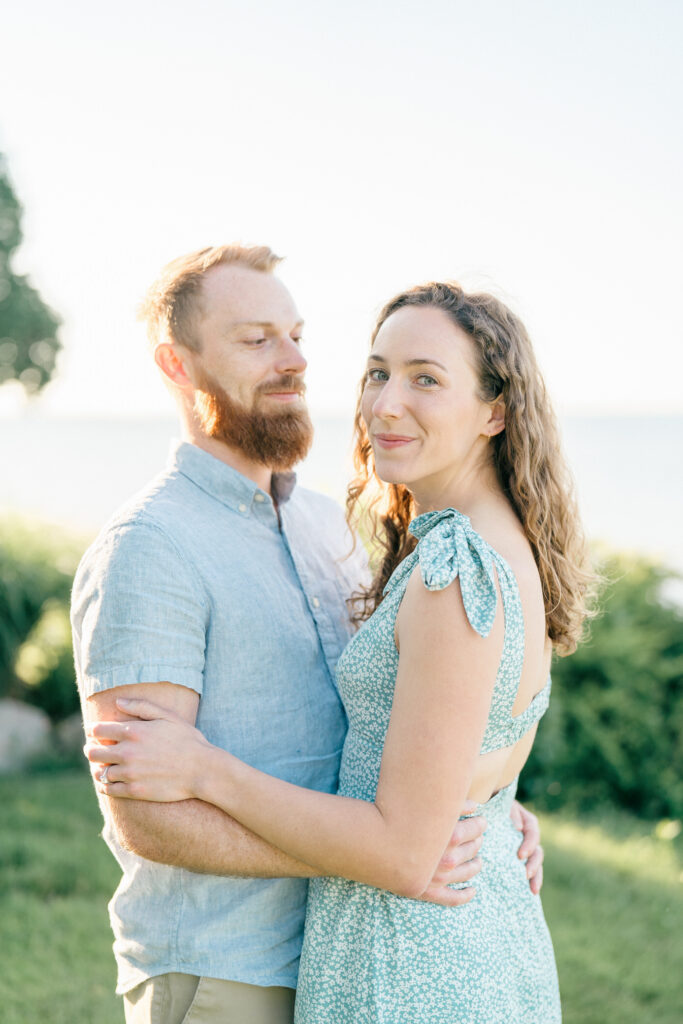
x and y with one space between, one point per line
443 684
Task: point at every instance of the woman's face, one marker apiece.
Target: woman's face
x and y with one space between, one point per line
427 426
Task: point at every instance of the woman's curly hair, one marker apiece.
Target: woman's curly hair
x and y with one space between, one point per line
527 457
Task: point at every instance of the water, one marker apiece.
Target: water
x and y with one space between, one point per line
75 472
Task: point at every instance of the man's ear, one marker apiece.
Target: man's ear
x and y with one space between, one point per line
172 364
496 421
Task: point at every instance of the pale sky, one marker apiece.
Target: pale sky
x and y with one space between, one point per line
530 147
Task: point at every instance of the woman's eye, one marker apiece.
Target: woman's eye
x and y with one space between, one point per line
376 376
426 380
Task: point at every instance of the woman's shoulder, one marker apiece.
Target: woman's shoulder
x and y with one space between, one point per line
449 548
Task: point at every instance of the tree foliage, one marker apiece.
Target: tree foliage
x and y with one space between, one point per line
28 328
614 730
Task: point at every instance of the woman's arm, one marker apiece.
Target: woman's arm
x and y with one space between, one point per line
442 697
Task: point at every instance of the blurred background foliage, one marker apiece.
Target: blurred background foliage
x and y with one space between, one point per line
37 564
614 730
613 735
28 327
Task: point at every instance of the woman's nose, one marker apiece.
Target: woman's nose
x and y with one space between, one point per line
389 402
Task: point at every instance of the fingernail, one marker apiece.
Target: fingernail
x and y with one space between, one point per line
122 701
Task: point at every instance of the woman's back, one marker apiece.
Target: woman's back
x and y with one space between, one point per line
498 768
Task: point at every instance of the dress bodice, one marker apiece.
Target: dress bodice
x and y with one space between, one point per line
448 548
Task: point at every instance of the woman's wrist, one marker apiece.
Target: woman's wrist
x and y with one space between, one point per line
212 775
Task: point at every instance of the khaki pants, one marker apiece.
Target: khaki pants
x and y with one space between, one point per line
186 999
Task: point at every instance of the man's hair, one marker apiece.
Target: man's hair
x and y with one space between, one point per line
172 307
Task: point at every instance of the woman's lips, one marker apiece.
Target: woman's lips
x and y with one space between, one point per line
389 441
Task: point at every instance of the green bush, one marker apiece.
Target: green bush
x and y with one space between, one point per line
37 564
614 730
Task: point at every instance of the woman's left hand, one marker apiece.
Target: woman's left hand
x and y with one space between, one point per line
155 755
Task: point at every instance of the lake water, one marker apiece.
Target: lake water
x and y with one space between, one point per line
75 472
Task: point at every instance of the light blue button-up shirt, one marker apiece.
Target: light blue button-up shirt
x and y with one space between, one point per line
196 581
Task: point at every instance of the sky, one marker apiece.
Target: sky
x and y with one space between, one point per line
529 148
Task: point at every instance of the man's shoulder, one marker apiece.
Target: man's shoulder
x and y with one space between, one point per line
146 523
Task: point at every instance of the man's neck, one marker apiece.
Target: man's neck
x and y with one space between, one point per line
233 457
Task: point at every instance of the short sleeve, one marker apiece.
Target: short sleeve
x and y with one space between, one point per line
138 612
449 548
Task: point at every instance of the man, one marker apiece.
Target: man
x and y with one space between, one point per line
220 592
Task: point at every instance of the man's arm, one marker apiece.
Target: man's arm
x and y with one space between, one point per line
189 834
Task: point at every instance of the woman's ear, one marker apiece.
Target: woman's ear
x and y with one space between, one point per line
171 362
496 421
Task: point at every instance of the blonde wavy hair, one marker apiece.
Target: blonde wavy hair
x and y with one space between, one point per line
527 457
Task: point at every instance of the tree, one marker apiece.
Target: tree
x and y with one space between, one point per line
28 328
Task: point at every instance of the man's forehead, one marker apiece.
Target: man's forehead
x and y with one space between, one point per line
244 297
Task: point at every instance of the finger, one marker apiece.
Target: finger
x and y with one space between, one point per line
113 731
459 873
146 709
466 830
534 862
101 754
459 853
446 897
469 807
536 882
117 789
532 836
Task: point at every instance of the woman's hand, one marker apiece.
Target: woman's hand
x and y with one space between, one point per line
155 755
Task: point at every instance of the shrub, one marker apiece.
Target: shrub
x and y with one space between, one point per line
614 730
37 564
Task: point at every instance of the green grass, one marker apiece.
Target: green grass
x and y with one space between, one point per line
613 899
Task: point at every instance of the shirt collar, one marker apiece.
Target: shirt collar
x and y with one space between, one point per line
225 483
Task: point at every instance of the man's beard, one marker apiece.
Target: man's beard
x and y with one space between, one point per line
277 439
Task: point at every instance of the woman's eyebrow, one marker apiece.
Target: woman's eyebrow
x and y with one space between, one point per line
410 362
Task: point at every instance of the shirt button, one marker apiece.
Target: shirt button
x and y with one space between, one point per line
242 507
315 602
259 497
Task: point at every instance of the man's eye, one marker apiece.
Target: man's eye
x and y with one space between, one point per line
255 341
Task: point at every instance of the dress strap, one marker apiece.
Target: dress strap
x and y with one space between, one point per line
450 548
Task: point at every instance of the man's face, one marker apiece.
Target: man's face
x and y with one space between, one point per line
248 376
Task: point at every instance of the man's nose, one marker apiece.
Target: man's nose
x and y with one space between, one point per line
290 358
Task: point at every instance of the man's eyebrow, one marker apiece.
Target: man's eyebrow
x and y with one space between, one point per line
409 362
259 323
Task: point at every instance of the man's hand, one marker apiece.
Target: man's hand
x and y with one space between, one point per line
531 850
459 863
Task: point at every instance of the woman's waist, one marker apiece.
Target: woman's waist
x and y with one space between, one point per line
499 805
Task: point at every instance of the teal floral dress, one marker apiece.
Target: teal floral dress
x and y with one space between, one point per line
371 957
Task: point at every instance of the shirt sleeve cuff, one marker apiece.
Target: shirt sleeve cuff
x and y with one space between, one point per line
128 675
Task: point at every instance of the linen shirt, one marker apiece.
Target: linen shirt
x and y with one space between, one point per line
198 582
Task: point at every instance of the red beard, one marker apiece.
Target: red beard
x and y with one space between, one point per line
277 440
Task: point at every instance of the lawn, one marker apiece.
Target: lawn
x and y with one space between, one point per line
613 899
